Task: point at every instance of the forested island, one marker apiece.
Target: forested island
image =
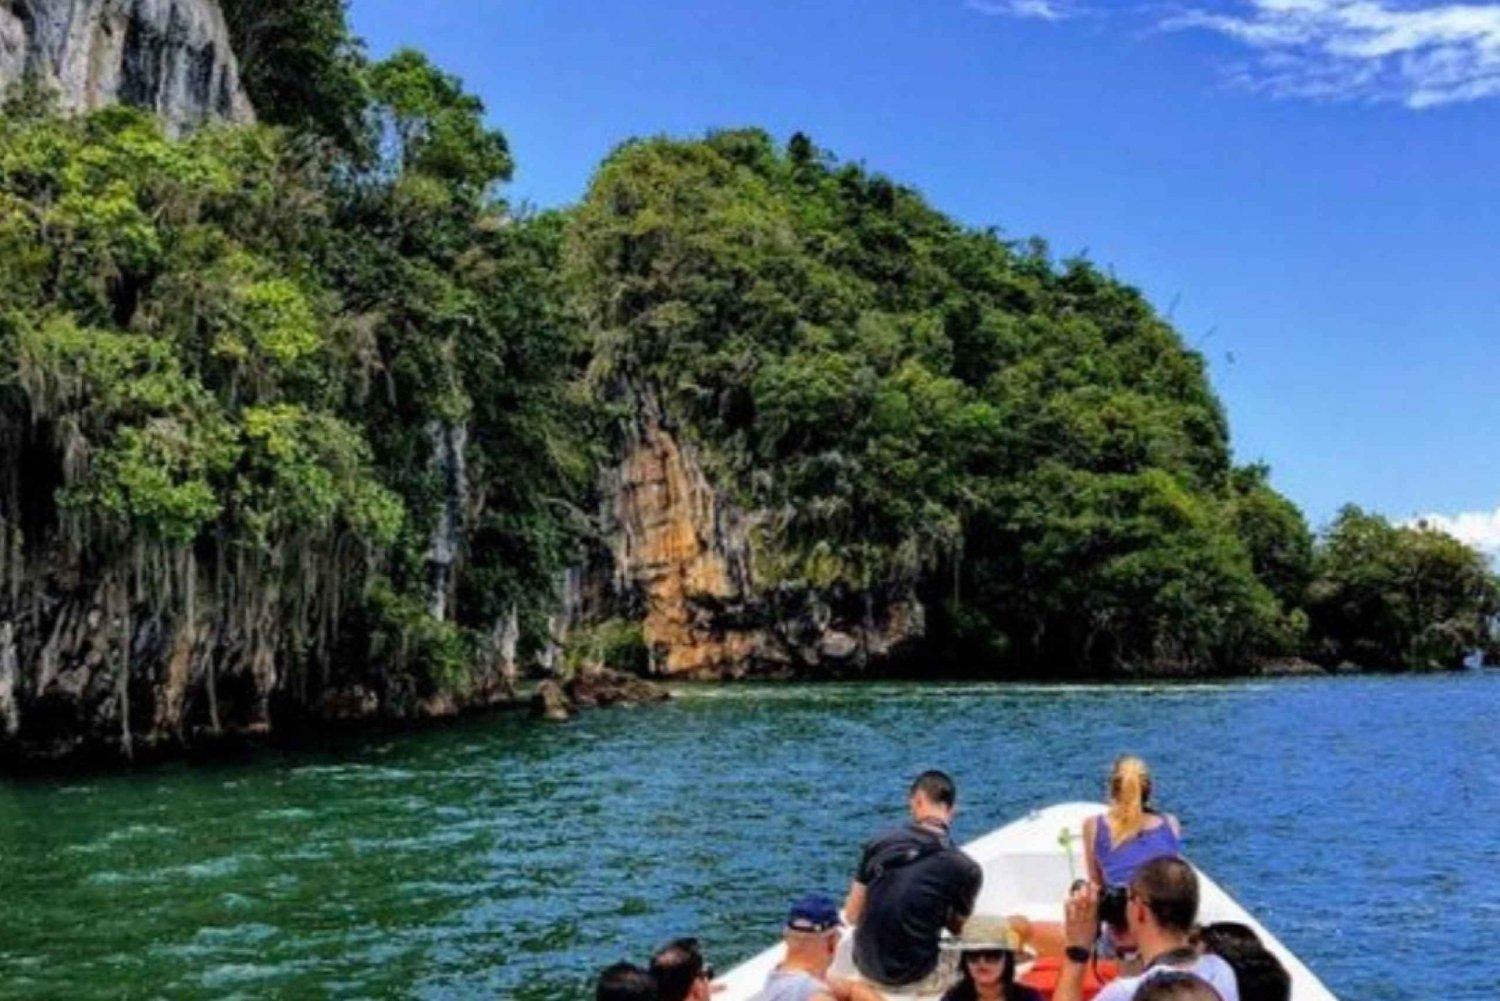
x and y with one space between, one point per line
302 421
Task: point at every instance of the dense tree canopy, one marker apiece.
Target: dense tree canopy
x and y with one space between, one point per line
250 340
925 405
1392 597
238 340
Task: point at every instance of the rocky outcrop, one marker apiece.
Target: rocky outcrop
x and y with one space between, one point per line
172 57
594 686
550 702
683 554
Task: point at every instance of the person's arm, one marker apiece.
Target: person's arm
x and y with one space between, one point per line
1081 926
968 880
848 990
1090 863
854 904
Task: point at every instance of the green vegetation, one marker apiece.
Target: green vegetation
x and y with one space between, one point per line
237 347
1392 597
1026 445
248 347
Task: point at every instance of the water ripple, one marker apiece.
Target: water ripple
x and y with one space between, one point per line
505 858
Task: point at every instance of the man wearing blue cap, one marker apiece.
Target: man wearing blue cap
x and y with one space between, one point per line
812 934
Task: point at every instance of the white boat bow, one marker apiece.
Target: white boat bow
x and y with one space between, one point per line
1028 866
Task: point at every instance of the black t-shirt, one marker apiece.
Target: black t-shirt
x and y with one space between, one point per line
915 880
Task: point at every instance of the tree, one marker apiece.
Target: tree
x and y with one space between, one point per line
1398 597
301 66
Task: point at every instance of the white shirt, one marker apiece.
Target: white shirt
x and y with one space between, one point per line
1219 974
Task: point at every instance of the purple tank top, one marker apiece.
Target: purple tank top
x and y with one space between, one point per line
1120 862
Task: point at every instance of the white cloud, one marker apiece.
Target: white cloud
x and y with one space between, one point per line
1417 52
1480 529
1044 10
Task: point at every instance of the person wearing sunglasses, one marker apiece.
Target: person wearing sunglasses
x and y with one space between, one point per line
1161 910
812 932
681 972
988 951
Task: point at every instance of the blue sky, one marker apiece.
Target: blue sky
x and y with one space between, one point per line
1309 188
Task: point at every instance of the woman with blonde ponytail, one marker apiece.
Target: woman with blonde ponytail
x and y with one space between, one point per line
1130 833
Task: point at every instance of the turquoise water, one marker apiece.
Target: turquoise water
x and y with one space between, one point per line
502 858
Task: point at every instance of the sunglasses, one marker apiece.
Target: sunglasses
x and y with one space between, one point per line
707 973
986 955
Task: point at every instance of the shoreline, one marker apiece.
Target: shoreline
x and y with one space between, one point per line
246 748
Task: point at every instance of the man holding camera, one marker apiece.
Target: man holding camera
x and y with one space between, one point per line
1161 908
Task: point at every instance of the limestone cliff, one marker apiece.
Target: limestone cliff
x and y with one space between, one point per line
683 555
123 647
172 57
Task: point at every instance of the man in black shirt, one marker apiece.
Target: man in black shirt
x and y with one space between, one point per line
912 882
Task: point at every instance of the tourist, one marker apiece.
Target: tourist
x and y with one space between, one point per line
1258 974
812 934
1177 987
987 960
1130 833
625 982
1160 911
912 883
680 971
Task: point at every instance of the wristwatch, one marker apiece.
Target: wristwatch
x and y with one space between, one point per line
1077 954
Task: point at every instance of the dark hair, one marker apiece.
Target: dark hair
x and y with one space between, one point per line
967 990
1176 986
1259 974
676 967
625 982
1169 888
936 786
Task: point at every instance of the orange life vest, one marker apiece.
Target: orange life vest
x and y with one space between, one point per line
1046 971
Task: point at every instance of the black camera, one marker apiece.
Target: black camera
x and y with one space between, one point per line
1112 906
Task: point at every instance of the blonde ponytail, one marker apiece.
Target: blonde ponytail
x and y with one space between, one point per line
1129 790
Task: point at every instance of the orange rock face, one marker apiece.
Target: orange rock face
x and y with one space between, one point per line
682 559
687 554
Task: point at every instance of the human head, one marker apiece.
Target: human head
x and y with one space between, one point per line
812 932
680 972
1164 898
1259 974
625 982
1129 792
987 954
1176 986
932 794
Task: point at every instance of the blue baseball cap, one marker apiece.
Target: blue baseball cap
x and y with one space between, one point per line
813 913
